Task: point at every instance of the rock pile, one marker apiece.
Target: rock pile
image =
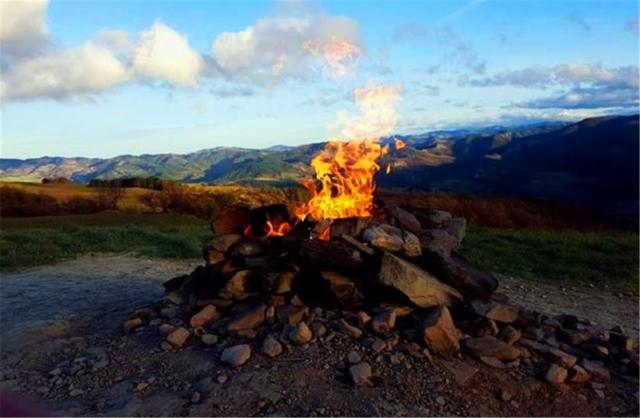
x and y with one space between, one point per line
390 279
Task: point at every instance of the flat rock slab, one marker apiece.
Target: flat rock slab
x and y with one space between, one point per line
419 286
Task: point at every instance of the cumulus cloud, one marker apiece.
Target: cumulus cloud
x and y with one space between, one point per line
23 29
460 52
279 47
83 71
164 54
111 59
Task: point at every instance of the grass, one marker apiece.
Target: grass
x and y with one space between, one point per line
48 241
554 256
603 259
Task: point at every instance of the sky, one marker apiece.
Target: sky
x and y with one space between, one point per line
100 79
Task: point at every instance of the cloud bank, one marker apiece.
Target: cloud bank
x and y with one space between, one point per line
268 52
586 86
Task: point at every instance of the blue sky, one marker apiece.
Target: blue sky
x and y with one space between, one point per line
108 78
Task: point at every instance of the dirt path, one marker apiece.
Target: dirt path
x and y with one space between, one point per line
71 312
91 291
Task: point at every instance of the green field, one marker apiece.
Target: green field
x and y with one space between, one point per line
561 257
44 240
603 259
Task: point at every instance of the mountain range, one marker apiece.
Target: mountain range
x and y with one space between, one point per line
592 162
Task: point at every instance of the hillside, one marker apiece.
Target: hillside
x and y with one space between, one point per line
592 162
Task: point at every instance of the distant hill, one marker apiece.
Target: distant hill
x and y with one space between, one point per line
593 162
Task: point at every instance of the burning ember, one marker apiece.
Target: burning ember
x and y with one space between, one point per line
345 170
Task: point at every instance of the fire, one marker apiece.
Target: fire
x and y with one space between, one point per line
345 170
272 231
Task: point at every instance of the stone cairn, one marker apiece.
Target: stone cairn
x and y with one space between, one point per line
394 275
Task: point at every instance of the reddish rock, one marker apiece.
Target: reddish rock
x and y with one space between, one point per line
384 321
343 289
363 319
598 372
509 334
231 221
503 312
491 347
131 324
300 334
224 242
249 319
556 374
286 278
178 337
236 286
213 257
440 334
207 316
290 314
271 347
578 374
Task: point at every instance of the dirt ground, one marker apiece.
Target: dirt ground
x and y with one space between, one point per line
73 311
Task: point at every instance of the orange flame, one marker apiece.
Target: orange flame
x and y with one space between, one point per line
272 231
345 170
399 143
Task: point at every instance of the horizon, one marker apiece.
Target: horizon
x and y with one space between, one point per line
169 78
452 129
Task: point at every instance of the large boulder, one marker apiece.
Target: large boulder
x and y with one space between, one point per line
419 286
461 274
438 241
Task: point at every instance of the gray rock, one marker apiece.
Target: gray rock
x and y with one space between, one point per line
354 357
271 347
420 287
209 339
236 355
390 238
360 374
318 329
457 228
384 321
348 329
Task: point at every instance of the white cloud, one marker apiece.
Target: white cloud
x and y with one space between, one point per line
279 47
82 71
117 41
23 28
164 54
541 77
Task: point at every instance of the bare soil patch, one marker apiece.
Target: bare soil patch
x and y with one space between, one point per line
73 311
